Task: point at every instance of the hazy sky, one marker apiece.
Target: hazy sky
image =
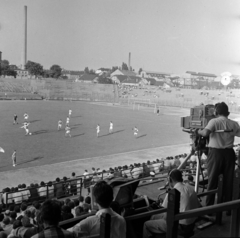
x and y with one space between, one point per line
172 36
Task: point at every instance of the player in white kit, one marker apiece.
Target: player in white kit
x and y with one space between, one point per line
98 129
67 121
68 131
25 126
135 131
25 116
69 113
59 125
110 127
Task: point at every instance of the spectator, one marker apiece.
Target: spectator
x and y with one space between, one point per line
146 170
117 173
7 226
79 211
50 215
137 171
103 194
88 200
67 201
66 213
7 213
73 184
176 162
71 204
34 193
81 201
25 192
66 185
16 225
17 196
42 191
58 188
126 172
13 216
188 201
50 190
150 166
23 209
17 210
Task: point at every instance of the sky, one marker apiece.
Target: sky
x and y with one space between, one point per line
170 36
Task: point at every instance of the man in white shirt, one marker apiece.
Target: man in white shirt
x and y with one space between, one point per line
137 171
188 201
103 195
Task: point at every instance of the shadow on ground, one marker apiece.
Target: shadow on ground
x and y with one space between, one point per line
111 133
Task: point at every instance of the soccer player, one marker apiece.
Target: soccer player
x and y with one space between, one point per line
135 131
59 125
25 126
14 158
68 131
67 121
15 121
25 116
110 127
70 113
98 129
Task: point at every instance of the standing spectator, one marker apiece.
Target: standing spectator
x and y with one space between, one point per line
73 184
150 166
58 188
17 196
103 194
25 192
50 215
50 190
34 193
146 170
42 191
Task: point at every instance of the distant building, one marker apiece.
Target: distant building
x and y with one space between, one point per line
21 73
71 74
156 75
123 72
134 81
87 78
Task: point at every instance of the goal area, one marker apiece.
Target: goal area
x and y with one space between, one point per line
145 106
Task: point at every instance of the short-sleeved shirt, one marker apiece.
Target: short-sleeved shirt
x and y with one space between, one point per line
222 140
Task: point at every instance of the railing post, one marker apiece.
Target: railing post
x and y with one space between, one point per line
235 219
172 210
105 225
219 198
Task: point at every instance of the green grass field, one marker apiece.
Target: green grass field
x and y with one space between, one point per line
46 145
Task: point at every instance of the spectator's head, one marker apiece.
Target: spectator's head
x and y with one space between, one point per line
50 184
23 206
26 221
175 176
50 213
57 180
221 109
81 199
71 204
78 211
36 204
11 208
13 215
76 202
73 174
66 209
6 221
17 224
28 213
19 186
86 207
24 185
190 178
7 213
103 194
67 200
64 178
42 184
17 209
88 200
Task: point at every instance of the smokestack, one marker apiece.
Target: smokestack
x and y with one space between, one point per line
129 61
0 63
24 55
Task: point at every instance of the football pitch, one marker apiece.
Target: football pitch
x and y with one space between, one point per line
48 146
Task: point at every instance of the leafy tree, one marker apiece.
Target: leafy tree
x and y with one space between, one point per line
6 70
86 70
55 71
124 66
4 64
91 71
139 71
34 68
114 68
13 67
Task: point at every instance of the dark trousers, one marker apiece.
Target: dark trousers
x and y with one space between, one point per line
220 161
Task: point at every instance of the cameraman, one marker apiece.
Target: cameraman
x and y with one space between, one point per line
221 156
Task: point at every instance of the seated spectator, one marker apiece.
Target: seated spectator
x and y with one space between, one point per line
1 221
188 201
11 208
67 201
177 162
27 230
81 201
23 208
88 200
110 173
71 204
13 216
103 194
66 185
7 226
50 214
7 213
73 184
126 171
42 191
16 225
17 210
117 173
58 188
66 213
79 211
17 196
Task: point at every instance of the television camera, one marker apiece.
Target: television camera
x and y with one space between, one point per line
198 119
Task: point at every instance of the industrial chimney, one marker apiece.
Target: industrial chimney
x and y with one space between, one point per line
24 54
129 61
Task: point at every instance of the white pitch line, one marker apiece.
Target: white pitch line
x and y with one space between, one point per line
92 158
